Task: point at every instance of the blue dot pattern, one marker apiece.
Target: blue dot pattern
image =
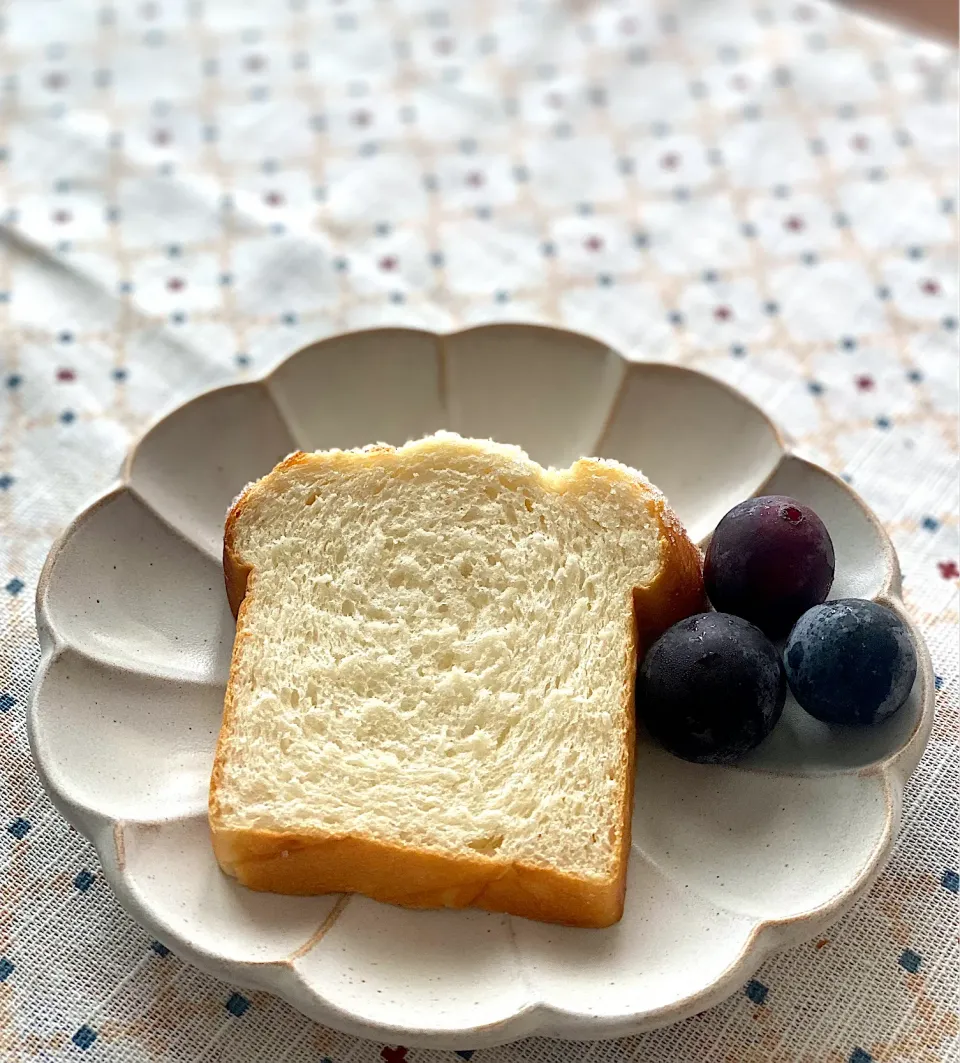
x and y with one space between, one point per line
757 992
763 193
84 880
237 1004
84 1037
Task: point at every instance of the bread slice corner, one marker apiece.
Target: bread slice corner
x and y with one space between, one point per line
430 698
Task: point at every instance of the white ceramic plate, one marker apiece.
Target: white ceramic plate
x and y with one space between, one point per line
728 863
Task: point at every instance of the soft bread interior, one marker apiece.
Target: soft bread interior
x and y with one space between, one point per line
436 651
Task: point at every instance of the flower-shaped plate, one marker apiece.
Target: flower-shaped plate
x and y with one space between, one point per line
728 863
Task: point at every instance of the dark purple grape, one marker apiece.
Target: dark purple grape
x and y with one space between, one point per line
770 559
851 662
711 688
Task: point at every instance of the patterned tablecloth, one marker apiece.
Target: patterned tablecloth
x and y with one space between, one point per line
188 190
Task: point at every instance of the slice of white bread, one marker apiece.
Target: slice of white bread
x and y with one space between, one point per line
431 694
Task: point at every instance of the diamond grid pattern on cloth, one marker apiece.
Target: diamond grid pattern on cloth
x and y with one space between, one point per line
189 190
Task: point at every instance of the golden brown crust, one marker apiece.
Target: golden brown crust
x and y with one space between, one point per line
419 878
236 573
677 591
414 878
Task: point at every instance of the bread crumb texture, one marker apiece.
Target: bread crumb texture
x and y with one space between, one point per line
436 650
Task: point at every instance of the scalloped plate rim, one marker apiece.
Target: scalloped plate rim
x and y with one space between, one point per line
765 936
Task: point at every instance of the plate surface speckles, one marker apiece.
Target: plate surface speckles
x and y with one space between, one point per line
728 863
